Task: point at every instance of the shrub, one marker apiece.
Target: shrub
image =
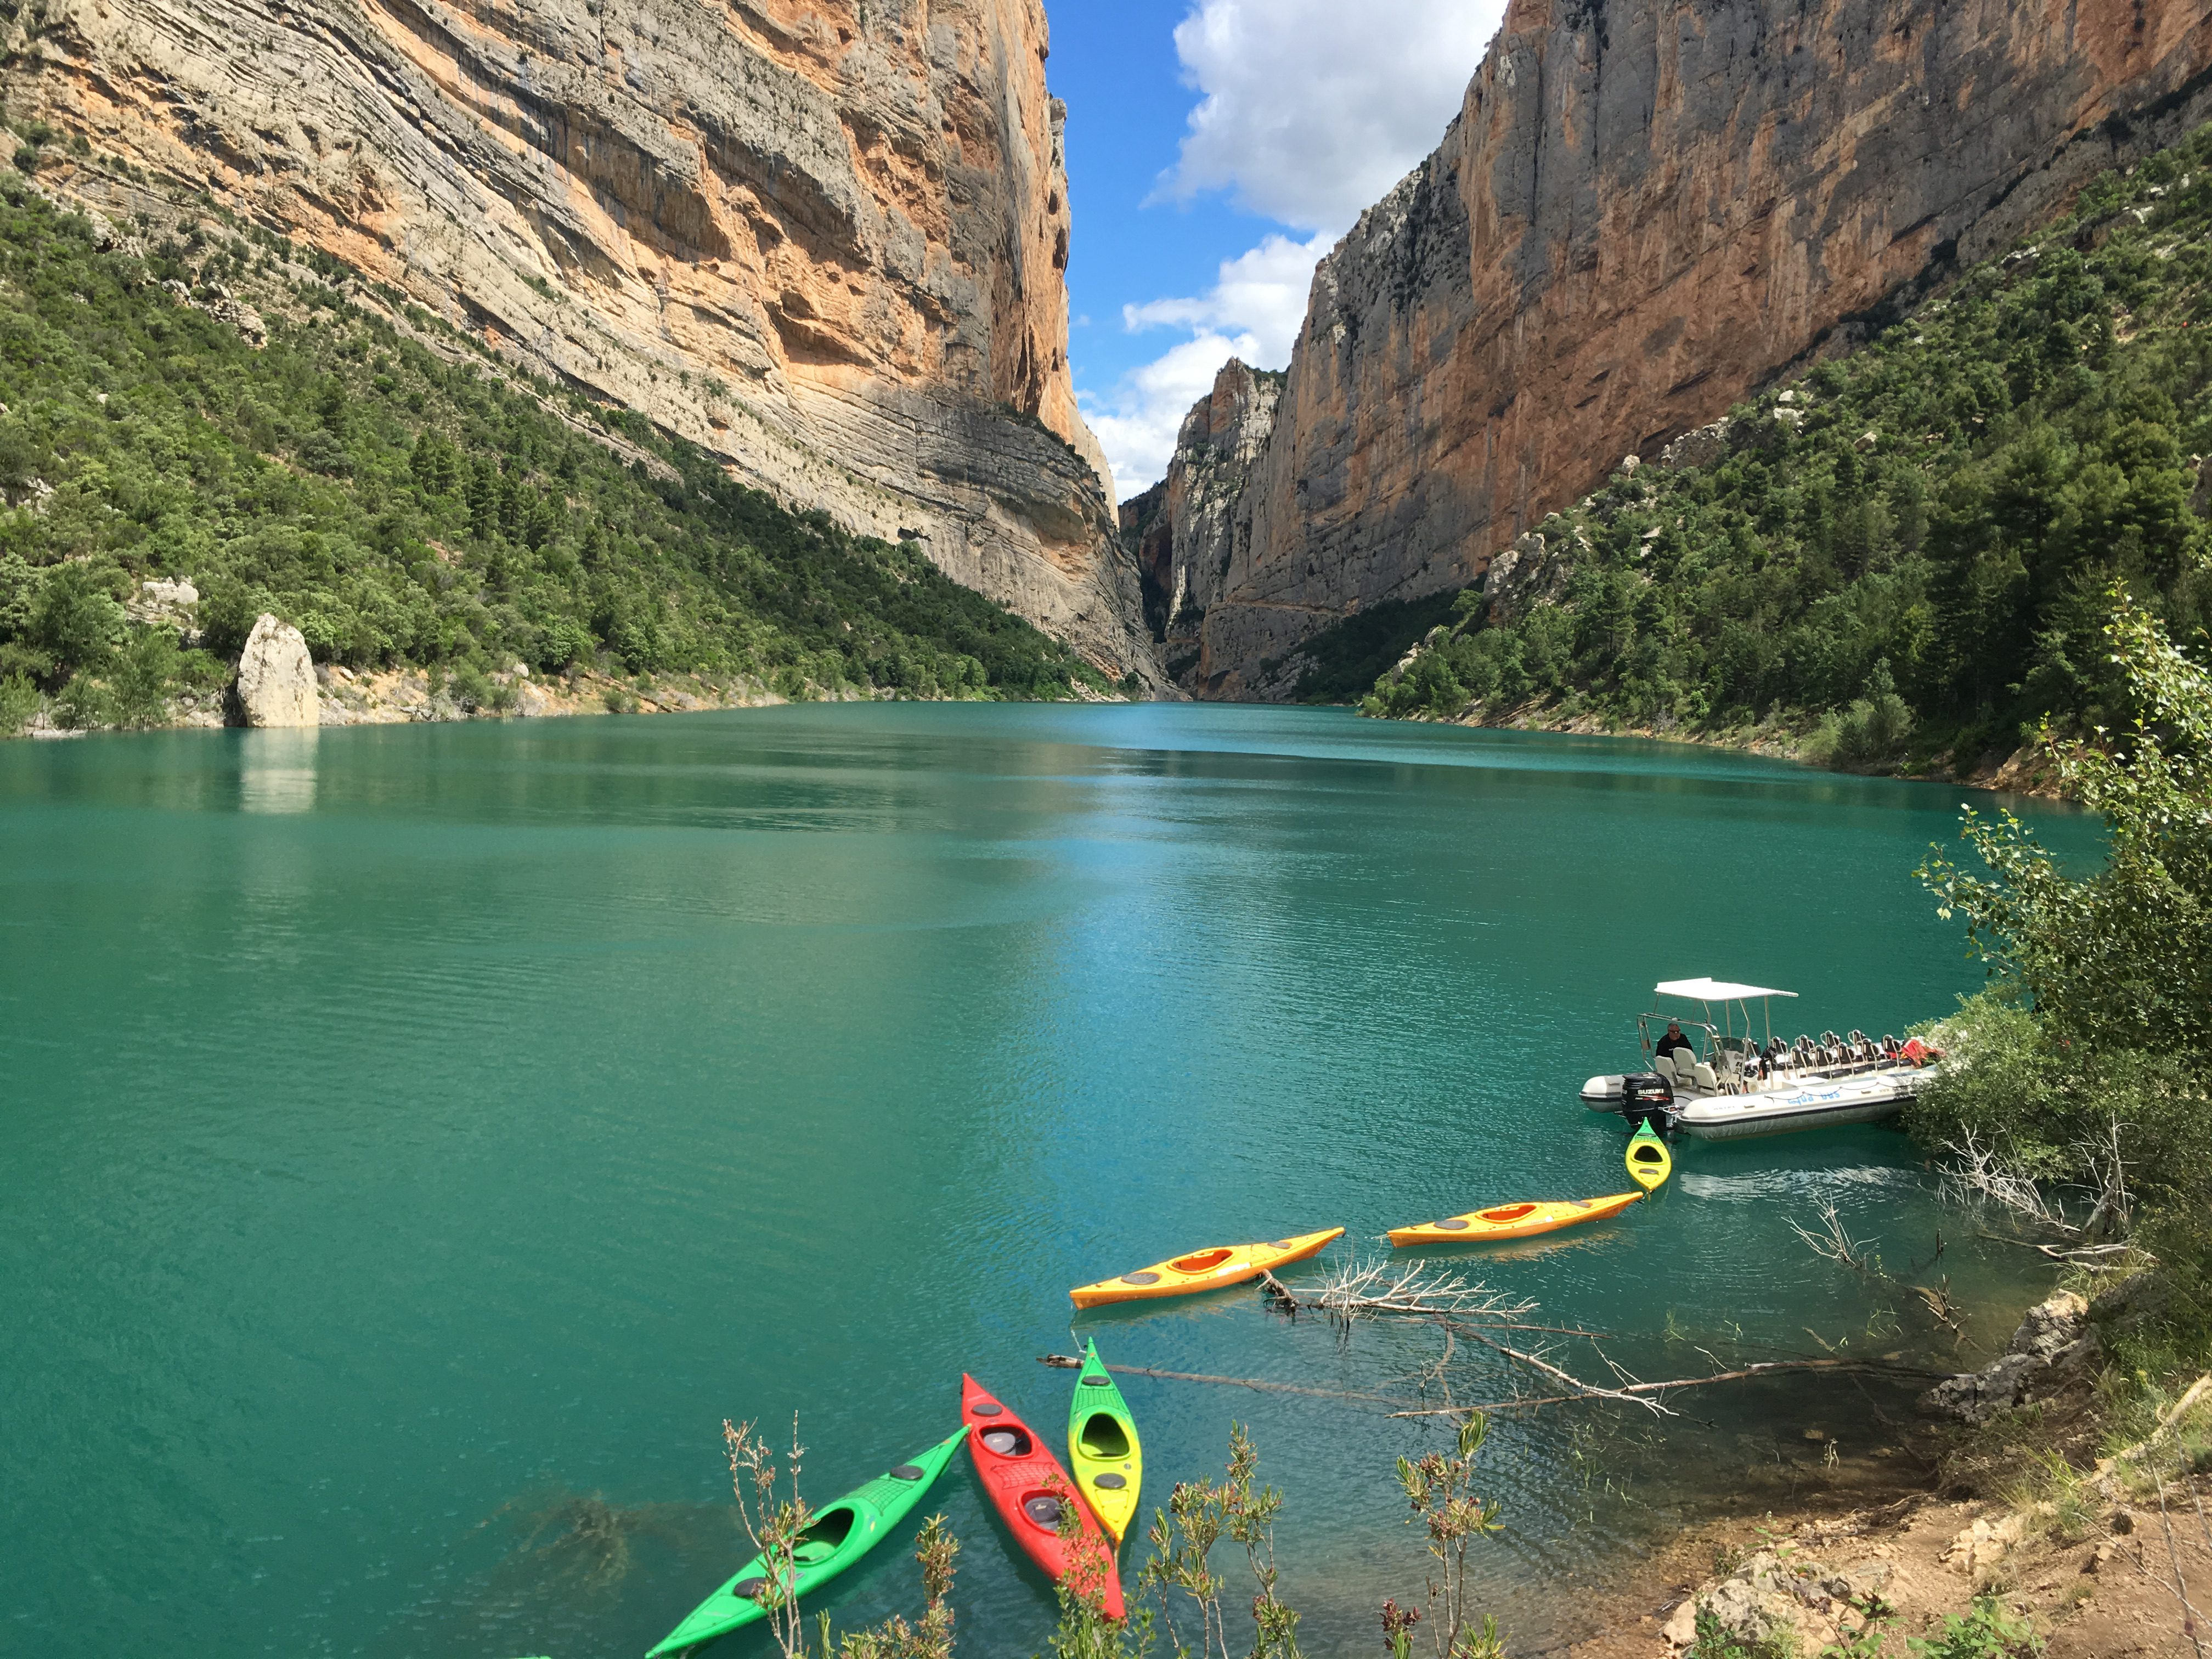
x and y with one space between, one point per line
19 703
146 671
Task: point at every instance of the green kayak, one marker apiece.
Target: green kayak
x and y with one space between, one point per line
841 1534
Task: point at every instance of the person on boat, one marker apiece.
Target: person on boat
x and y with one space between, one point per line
1675 1040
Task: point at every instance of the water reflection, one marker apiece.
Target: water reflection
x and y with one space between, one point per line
276 770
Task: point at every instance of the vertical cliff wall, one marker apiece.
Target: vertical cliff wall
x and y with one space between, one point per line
1643 212
823 238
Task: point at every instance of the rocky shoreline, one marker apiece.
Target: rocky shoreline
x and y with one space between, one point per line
2087 1549
277 685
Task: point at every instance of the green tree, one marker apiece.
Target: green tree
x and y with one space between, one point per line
75 619
146 671
2089 1059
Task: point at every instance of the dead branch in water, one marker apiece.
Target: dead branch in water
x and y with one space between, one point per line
1977 1172
1640 1389
1429 1293
1941 1307
1833 1243
1413 1290
1634 1395
1068 1362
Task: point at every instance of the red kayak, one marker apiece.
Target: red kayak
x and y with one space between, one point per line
1029 1490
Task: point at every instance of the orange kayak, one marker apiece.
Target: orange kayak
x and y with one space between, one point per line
1204 1270
1513 1220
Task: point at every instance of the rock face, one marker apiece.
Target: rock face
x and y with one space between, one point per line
823 238
276 677
1642 213
2053 1346
1206 520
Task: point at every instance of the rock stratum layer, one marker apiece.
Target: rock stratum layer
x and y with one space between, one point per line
824 239
1642 213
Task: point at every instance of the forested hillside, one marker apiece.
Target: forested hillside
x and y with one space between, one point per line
374 477
1903 558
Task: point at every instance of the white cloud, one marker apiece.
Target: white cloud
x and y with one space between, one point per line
1261 294
1253 312
1315 108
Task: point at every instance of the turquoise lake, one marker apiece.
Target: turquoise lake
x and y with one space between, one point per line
419 1139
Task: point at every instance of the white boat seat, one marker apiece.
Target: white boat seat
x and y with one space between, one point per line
1663 1065
1706 1080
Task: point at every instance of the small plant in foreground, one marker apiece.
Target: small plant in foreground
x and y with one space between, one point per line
1986 1633
934 1547
1085 1630
775 1525
1199 1515
1713 1641
1442 1489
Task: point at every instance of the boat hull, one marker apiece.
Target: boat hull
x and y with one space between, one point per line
1811 1102
1716 1121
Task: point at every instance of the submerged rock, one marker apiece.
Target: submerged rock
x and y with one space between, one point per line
276 677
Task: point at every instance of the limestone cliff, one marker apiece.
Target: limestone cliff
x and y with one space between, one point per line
823 238
1204 521
1642 213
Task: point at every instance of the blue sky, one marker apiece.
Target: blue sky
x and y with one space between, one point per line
1215 149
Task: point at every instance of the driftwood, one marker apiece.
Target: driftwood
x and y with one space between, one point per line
1428 1294
1636 1391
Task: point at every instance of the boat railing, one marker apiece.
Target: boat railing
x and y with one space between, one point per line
1722 1062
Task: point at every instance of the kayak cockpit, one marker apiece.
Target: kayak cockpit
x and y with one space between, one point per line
1203 1261
826 1536
1103 1437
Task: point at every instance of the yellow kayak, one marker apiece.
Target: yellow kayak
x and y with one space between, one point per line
1204 1270
1513 1220
1103 1452
1649 1162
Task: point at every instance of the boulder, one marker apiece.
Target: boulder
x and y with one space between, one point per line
168 602
1703 446
277 677
1769 1600
2054 1344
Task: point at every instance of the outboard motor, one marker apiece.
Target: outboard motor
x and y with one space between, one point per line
1647 1097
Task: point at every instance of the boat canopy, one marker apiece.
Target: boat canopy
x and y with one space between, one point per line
1715 990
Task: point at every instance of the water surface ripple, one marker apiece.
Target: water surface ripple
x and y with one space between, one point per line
419 1139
